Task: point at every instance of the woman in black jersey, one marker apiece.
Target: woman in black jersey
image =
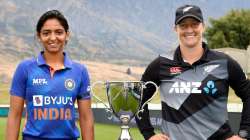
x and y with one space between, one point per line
194 85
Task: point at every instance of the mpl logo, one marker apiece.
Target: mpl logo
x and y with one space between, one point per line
39 81
185 87
38 100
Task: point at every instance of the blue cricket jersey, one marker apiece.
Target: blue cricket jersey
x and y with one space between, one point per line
50 100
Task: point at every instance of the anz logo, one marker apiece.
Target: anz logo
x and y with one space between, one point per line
185 87
39 81
193 87
210 88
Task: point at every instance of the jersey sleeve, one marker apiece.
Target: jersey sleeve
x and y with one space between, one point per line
241 86
84 92
18 86
151 74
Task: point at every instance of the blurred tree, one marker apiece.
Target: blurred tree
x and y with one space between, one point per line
232 30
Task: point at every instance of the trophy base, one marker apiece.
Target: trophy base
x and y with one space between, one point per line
125 135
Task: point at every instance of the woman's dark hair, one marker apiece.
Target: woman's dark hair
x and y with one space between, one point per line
52 14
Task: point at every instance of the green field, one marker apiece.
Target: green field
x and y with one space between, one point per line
102 131
4 94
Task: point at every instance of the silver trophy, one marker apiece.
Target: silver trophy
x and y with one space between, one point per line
124 101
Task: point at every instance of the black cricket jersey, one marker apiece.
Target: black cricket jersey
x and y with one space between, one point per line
194 97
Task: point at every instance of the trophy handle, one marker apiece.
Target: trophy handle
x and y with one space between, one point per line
146 102
108 110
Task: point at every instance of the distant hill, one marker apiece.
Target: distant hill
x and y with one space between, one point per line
130 32
97 71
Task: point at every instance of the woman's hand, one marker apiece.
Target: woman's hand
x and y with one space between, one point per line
159 137
235 137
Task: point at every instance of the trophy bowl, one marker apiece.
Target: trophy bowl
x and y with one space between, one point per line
125 101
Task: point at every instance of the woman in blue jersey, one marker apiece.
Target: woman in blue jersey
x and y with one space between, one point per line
49 86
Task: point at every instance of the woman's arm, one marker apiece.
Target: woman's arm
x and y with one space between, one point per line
14 117
86 119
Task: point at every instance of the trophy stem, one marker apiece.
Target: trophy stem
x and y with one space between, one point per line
125 135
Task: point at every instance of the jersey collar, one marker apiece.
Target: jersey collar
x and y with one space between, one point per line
41 61
178 57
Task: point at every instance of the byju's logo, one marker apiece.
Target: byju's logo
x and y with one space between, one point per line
38 100
210 88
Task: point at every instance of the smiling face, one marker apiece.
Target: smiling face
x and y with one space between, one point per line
189 32
53 36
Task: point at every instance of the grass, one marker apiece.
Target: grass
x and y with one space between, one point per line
108 132
4 94
102 131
